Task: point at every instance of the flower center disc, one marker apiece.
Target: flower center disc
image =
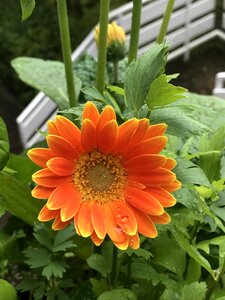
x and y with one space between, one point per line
100 178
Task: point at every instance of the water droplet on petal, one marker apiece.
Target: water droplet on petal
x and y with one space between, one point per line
124 219
118 216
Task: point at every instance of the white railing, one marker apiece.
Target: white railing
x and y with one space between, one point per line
192 23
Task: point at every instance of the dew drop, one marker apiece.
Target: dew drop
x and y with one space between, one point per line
124 220
118 216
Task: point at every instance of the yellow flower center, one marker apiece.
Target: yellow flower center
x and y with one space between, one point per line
100 177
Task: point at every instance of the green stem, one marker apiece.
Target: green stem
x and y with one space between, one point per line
66 50
129 262
135 30
102 47
115 71
114 266
165 22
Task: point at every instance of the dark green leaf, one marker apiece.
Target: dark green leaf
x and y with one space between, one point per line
28 284
161 92
141 73
98 263
37 257
118 294
99 286
43 235
139 253
61 242
4 145
193 271
46 76
54 269
195 290
27 7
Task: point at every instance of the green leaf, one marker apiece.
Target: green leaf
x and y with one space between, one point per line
36 257
16 198
195 290
99 263
7 291
179 119
46 76
161 92
27 7
7 242
139 253
28 284
118 294
4 145
43 235
99 286
193 271
54 269
140 75
118 90
189 173
94 93
61 242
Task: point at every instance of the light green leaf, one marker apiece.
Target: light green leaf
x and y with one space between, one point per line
99 263
118 90
140 75
27 7
36 257
7 291
54 269
94 93
46 76
4 145
118 294
16 198
161 92
172 76
195 290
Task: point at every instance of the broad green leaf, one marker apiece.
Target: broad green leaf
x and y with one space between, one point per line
195 290
86 68
118 90
36 257
112 101
28 284
54 269
118 294
46 76
4 145
94 93
43 235
193 272
98 263
16 198
179 119
171 257
61 242
7 291
99 286
161 92
27 7
172 76
140 75
189 173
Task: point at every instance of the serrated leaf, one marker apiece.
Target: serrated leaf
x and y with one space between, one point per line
195 290
46 76
161 92
139 253
54 269
4 144
57 294
122 294
29 284
140 75
36 257
27 7
43 235
61 242
99 263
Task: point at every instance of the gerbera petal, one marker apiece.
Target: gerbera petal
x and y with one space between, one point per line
143 201
124 217
125 131
98 220
136 184
107 115
84 219
47 214
140 132
47 178
61 196
41 192
71 208
172 186
150 146
123 245
107 137
157 177
58 224
90 112
134 241
144 223
156 130
163 219
95 239
170 164
61 147
164 197
115 232
52 129
40 156
88 135
145 162
68 130
61 166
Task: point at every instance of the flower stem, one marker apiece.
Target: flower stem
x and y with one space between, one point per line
135 30
165 22
66 50
114 266
115 71
102 48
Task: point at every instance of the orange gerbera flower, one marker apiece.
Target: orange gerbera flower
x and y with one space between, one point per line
108 179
